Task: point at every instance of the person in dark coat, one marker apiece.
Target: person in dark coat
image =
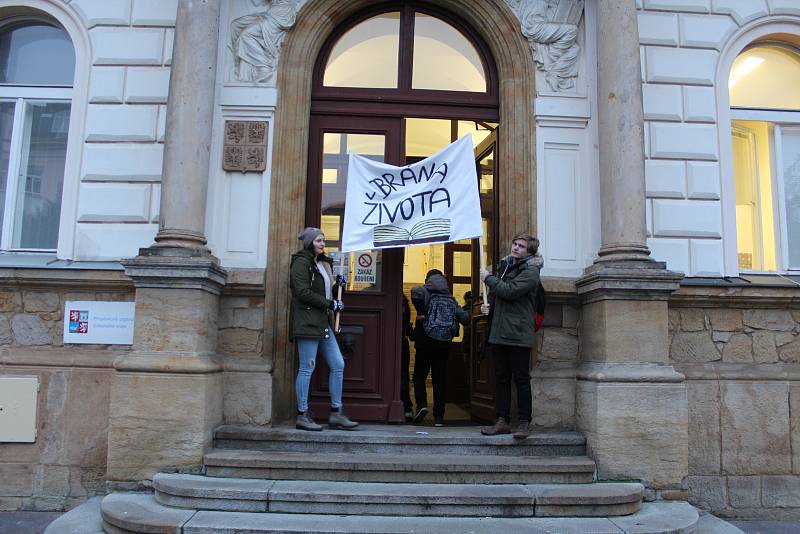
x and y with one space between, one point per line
431 353
408 407
312 283
512 330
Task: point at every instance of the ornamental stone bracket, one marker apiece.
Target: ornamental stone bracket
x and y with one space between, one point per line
628 280
551 28
256 40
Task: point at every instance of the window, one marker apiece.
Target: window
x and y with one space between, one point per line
37 66
376 53
764 89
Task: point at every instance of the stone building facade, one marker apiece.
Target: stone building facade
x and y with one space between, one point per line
615 127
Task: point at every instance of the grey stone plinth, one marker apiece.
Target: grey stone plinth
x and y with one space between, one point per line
636 430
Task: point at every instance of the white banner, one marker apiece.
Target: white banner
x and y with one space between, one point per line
432 201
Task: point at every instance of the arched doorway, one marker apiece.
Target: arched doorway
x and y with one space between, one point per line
494 23
397 83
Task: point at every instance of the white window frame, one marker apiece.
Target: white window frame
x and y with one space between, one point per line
744 37
778 121
65 16
11 217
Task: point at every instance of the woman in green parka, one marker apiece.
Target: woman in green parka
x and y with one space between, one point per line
512 315
312 283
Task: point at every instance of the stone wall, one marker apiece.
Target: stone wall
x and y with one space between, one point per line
67 463
247 377
557 356
743 381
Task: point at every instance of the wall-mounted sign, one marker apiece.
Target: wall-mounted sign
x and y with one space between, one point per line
105 323
245 146
366 268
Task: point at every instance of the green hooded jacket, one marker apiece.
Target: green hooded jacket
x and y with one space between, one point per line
310 311
512 313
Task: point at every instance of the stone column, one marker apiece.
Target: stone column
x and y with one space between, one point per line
620 120
631 403
190 115
167 393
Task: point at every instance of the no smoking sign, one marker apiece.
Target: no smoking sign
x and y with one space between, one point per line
365 268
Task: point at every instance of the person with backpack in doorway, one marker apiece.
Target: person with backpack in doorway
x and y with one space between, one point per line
438 319
512 325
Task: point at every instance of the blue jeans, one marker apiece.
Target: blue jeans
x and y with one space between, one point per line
307 348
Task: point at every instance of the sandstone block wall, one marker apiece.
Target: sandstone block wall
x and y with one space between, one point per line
556 358
247 376
743 381
67 463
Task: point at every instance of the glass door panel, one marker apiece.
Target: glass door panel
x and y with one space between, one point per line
364 266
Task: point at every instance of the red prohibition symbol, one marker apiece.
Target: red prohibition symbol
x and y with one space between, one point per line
365 260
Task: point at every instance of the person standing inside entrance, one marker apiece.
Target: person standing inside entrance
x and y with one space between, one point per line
438 318
312 283
511 330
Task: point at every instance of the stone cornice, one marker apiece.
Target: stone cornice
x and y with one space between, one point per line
167 362
73 279
740 371
628 372
740 297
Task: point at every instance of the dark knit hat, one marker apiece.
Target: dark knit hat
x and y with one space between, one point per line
308 235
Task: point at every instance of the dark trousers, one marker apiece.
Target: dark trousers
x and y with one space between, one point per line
512 362
404 376
431 356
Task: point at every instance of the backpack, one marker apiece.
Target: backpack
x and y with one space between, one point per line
539 303
440 319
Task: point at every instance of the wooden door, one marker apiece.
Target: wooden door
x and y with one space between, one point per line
371 321
482 383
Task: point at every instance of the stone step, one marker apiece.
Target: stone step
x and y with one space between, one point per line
398 499
413 468
399 439
140 513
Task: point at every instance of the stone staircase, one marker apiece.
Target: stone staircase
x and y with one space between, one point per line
391 479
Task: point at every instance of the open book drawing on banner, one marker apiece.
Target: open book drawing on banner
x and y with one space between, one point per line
435 200
428 231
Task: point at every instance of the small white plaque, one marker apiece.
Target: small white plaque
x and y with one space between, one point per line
106 323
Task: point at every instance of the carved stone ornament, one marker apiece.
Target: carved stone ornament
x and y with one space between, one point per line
256 39
245 146
551 27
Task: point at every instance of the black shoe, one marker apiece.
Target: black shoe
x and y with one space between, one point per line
409 416
421 413
439 421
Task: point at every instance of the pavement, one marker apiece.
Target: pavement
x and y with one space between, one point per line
36 522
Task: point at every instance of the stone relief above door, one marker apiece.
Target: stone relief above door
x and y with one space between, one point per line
256 39
552 30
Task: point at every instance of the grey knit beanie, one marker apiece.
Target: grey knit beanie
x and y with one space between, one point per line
308 235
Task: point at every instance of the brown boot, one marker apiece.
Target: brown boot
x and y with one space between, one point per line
500 427
523 430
